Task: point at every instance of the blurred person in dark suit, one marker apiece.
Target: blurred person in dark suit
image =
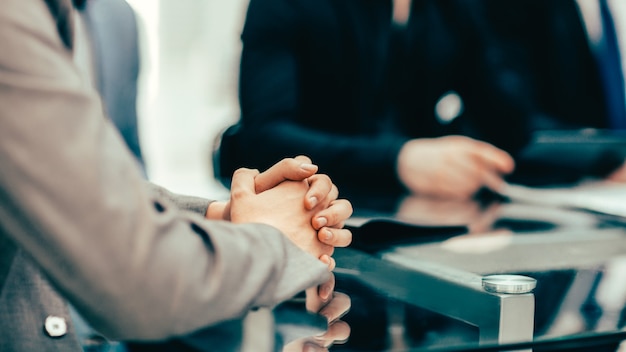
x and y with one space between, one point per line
388 96
571 60
560 53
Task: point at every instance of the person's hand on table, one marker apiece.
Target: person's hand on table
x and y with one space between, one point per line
452 166
330 213
280 207
305 207
294 169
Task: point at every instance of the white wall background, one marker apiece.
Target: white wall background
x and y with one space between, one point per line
188 88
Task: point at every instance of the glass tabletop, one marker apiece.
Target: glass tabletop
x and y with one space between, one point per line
415 279
415 276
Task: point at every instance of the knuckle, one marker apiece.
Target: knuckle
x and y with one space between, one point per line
312 179
241 170
348 206
347 236
345 206
237 193
303 158
287 162
332 217
322 178
334 191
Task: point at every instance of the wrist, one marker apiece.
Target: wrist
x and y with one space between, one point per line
218 211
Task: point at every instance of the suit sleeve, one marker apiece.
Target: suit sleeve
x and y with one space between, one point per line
270 127
184 202
72 197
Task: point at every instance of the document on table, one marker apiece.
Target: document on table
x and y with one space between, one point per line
600 197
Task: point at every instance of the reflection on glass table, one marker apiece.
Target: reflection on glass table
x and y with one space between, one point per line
290 327
425 259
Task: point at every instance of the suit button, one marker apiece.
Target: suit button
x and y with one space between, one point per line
55 326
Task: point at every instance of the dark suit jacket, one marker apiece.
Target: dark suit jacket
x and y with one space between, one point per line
325 78
549 42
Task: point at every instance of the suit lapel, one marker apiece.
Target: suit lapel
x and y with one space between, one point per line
61 10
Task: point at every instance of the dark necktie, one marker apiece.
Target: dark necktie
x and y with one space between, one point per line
609 61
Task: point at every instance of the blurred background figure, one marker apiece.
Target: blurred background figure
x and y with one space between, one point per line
571 55
389 96
381 92
572 59
543 77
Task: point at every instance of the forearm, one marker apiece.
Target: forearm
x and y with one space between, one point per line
364 163
271 128
136 265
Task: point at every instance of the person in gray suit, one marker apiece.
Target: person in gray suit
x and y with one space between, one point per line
79 222
107 51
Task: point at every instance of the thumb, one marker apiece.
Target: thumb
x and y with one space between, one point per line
294 169
242 183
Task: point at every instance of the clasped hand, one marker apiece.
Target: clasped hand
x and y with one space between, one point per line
452 166
290 196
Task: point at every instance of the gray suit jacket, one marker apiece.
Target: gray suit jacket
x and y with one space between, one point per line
78 221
